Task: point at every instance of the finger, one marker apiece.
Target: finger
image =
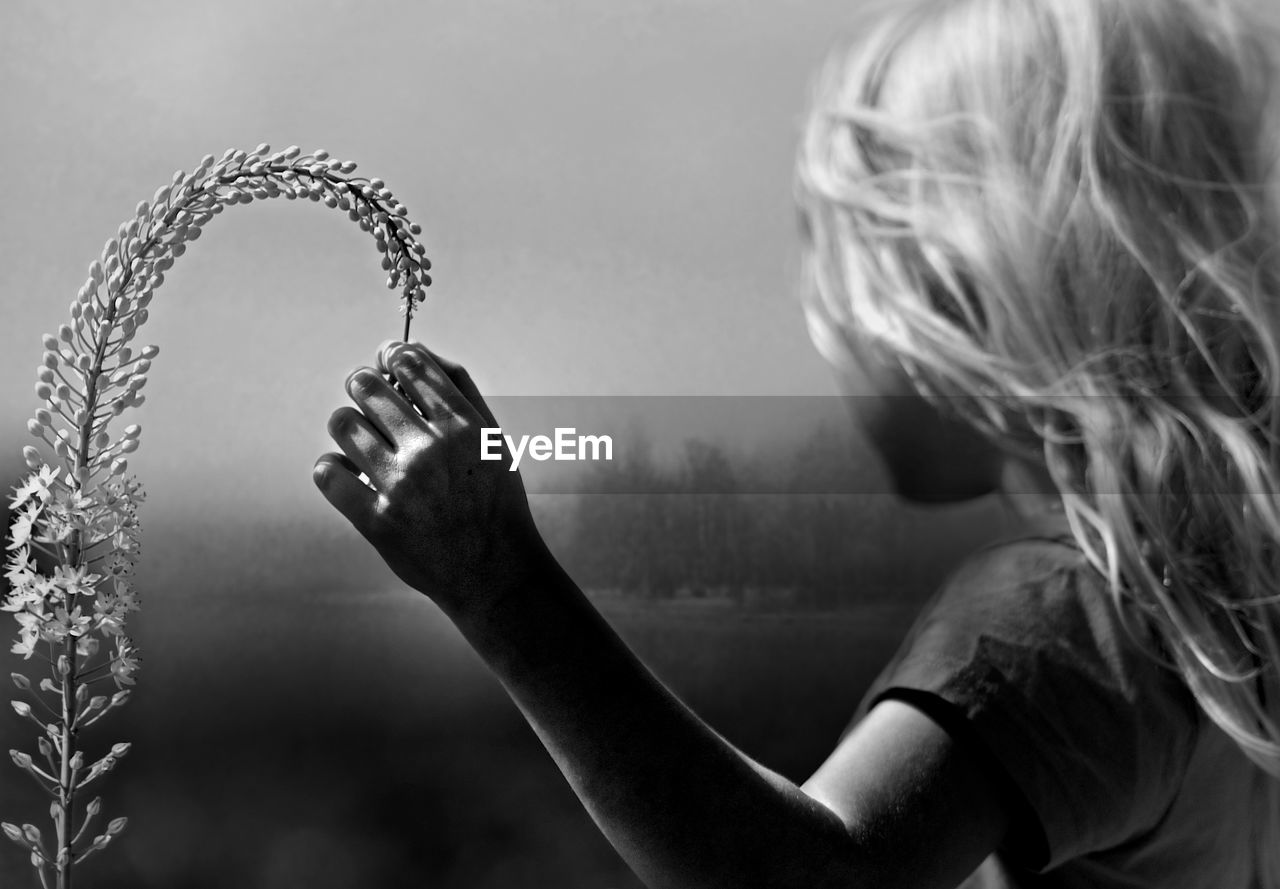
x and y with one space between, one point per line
363 444
428 386
335 476
389 412
384 354
456 373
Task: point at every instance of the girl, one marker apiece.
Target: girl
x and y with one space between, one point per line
1045 231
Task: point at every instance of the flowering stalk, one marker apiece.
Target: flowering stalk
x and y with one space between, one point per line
78 509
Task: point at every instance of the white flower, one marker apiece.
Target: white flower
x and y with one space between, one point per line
20 530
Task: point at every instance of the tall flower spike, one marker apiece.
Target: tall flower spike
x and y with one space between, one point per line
78 508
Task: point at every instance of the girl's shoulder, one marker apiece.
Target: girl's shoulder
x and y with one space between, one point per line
1036 583
1038 663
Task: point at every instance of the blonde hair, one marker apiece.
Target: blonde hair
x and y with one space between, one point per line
1061 217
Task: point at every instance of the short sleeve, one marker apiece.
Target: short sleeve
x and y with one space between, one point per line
1025 647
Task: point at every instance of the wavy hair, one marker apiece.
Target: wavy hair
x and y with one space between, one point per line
1061 218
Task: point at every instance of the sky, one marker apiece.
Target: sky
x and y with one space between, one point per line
604 188
604 191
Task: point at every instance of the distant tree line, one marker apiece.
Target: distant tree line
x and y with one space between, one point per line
702 527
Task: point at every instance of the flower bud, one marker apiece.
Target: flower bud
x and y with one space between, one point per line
63 391
132 431
128 446
32 456
64 666
65 333
50 341
22 682
44 417
77 760
118 466
101 440
45 375
82 694
95 805
46 749
116 826
30 831
20 759
120 749
161 196
34 427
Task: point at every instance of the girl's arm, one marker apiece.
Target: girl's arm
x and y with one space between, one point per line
897 804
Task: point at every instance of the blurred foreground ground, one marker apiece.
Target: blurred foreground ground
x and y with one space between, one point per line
351 740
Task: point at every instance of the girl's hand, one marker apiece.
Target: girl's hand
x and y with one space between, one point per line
447 523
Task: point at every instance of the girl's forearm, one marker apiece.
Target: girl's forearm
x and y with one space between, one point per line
681 805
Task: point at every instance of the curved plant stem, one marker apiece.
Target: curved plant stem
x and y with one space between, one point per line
84 395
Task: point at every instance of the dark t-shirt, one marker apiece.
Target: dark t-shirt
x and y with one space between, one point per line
1114 775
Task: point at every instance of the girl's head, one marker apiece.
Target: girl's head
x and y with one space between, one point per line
1016 199
1058 219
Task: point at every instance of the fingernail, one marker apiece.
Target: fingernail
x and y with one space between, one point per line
408 357
358 378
